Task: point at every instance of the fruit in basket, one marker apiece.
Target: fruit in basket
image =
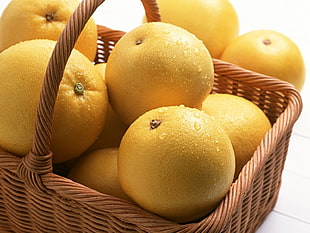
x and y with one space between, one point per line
80 107
43 19
244 122
176 162
215 22
98 170
157 64
113 129
101 68
270 53
112 132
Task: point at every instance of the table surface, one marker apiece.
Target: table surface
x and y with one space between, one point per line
292 211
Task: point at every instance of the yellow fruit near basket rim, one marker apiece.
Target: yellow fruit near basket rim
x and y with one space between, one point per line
113 129
215 22
244 122
157 64
101 69
112 132
176 162
268 52
98 170
43 19
80 108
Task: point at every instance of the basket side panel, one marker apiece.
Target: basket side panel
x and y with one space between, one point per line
263 193
65 206
272 103
13 214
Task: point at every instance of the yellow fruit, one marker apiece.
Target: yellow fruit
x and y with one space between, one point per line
270 53
113 129
244 122
215 22
78 116
176 162
98 170
112 132
43 19
154 65
101 69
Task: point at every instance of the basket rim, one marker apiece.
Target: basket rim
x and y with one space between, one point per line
49 182
69 189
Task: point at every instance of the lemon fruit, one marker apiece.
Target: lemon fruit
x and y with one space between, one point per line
215 22
268 52
176 162
80 108
98 170
43 19
245 123
157 64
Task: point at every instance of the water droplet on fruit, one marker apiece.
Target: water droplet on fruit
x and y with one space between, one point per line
197 126
163 109
199 69
196 50
166 31
197 114
185 53
217 149
162 136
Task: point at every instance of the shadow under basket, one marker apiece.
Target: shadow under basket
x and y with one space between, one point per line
39 200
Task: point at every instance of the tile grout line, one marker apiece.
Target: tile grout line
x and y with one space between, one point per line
292 217
301 135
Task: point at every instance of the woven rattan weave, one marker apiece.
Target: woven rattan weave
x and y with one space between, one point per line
34 199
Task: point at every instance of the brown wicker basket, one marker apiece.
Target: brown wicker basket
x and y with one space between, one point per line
35 199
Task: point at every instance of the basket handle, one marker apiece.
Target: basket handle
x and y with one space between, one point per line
39 159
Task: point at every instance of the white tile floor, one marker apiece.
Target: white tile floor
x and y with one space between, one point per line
292 211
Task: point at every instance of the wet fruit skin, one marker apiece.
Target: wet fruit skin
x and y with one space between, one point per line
244 122
215 22
176 162
268 52
78 118
44 19
154 65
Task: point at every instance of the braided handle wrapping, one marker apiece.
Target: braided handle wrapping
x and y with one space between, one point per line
39 160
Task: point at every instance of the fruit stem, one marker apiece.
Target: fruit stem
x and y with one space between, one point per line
138 42
266 42
79 89
50 17
154 123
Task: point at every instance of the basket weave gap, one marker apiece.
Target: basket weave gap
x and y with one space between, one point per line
104 49
63 205
223 84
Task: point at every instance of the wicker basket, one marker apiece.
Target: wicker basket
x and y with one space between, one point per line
35 199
